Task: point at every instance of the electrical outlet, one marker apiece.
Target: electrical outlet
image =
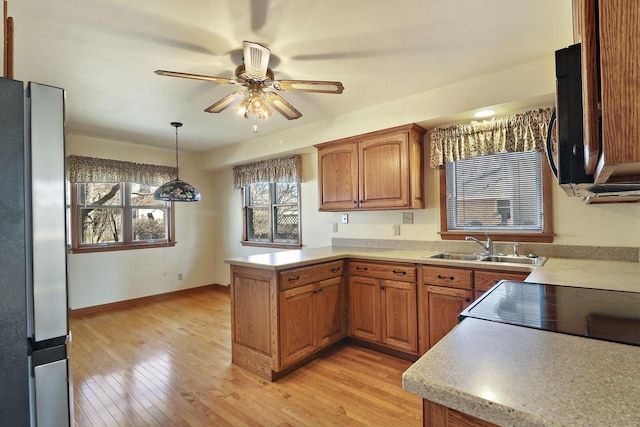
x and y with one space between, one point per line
345 218
179 276
396 229
335 227
407 217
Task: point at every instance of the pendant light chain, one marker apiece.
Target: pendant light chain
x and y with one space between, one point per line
177 125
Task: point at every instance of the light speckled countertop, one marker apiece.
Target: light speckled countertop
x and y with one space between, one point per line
511 375
515 376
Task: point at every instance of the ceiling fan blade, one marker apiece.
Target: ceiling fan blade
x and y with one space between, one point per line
256 59
281 105
195 76
225 102
308 86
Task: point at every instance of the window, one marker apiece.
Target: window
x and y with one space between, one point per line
272 214
505 194
115 216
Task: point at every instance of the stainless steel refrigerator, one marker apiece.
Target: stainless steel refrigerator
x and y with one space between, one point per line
35 375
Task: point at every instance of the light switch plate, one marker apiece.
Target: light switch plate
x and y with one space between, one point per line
407 217
396 229
335 227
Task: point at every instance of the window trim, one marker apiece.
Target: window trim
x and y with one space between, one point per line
75 227
546 236
269 244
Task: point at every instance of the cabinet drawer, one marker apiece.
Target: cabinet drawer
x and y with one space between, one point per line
451 277
314 273
403 273
484 280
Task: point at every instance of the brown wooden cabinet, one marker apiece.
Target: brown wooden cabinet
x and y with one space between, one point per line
484 280
280 318
442 294
312 317
378 170
610 42
436 415
383 305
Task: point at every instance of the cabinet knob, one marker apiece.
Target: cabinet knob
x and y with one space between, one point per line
361 201
440 276
382 287
355 202
319 290
467 299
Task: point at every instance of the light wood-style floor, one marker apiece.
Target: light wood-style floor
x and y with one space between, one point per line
168 363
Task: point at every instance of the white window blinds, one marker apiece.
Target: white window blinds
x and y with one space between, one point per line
497 192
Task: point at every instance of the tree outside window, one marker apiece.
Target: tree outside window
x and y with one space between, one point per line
272 214
108 216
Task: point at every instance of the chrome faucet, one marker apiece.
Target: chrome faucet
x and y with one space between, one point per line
488 247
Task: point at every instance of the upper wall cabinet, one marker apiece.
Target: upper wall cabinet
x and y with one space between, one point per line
610 42
374 171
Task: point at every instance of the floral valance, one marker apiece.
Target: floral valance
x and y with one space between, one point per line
287 169
91 169
521 132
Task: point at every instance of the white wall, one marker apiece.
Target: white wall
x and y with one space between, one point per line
104 277
574 222
210 231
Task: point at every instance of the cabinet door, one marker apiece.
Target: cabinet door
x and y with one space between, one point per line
329 310
297 337
364 308
484 280
384 172
443 306
399 315
338 177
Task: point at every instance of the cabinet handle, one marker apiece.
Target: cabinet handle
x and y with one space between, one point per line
293 279
467 299
404 273
440 276
361 268
335 269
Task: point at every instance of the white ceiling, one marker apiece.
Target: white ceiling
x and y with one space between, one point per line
104 52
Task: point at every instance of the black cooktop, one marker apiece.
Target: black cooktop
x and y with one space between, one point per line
594 313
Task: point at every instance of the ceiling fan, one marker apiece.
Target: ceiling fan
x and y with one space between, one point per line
256 76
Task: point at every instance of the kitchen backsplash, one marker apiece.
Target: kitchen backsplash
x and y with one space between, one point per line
631 254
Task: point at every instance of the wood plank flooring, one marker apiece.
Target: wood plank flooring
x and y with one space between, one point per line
168 363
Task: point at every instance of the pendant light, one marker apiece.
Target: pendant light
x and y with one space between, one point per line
177 190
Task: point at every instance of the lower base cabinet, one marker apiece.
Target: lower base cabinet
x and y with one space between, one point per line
383 305
436 415
312 317
280 318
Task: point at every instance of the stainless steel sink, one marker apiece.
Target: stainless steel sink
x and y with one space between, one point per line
457 256
514 259
489 258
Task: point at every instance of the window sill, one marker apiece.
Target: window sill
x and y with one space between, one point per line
499 236
272 245
115 247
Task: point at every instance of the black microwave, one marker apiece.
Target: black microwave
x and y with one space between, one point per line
565 138
565 142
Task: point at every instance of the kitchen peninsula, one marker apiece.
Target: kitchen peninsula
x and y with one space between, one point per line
503 374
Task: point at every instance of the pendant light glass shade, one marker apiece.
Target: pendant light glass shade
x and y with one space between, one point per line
177 190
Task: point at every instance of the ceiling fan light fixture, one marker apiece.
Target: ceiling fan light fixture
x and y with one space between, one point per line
177 190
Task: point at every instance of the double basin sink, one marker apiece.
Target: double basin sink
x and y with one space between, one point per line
512 259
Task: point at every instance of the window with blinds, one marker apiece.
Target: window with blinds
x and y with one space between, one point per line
496 192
